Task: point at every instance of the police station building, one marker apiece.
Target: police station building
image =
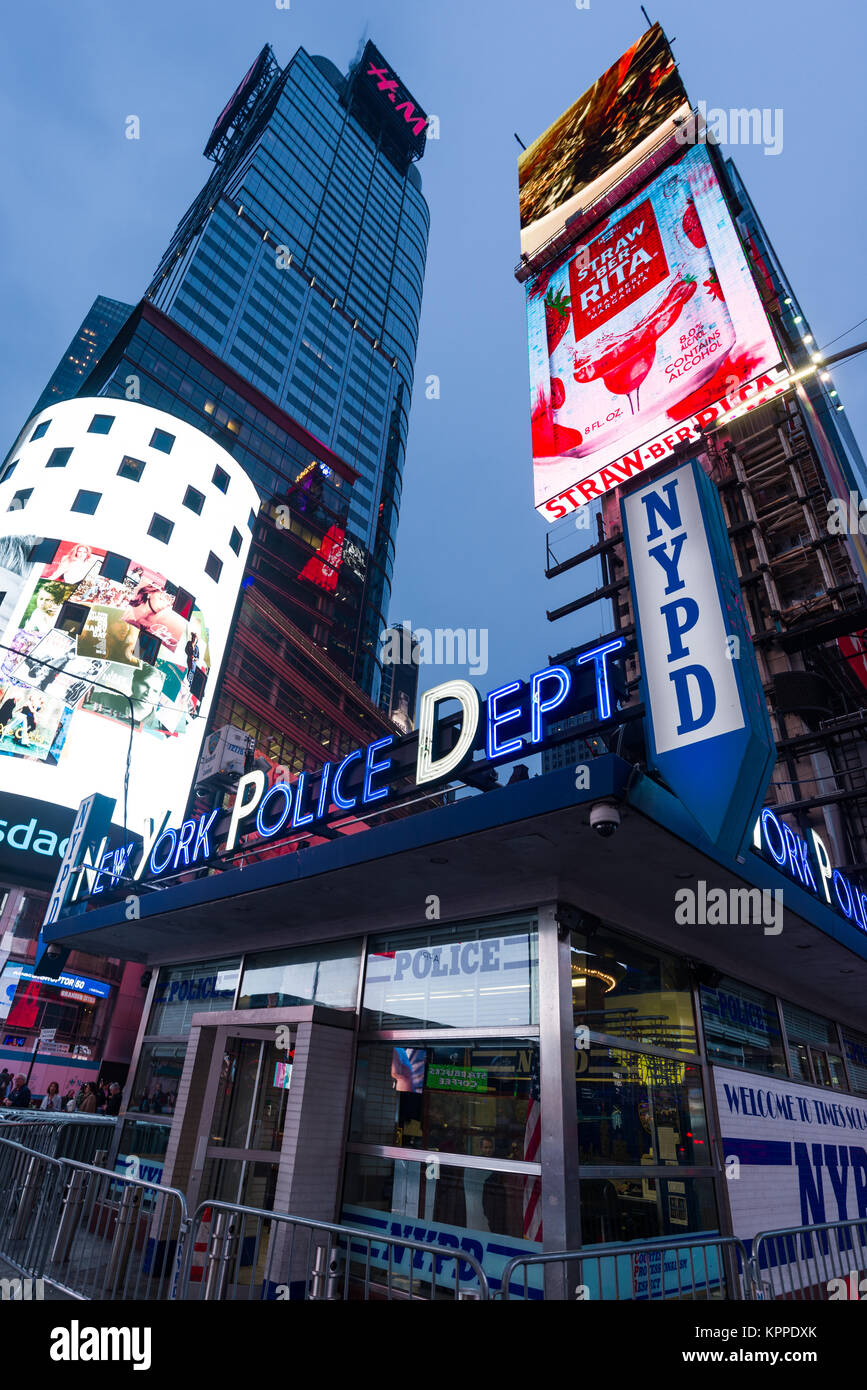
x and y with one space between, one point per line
617 1002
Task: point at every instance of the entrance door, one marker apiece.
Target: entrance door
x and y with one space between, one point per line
241 1133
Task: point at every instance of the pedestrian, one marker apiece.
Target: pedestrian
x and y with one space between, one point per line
69 1099
82 1092
5 1082
19 1097
88 1104
51 1100
112 1100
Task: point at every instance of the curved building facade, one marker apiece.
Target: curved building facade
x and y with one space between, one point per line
124 533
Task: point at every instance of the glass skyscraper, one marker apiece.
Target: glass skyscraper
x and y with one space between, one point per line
103 321
282 321
301 266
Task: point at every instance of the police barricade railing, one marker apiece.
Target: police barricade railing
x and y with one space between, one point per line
827 1261
62 1136
703 1268
88 1231
238 1252
31 1184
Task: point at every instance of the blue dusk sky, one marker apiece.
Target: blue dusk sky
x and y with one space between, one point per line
89 212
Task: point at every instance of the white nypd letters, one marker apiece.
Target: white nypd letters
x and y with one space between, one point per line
690 679
708 732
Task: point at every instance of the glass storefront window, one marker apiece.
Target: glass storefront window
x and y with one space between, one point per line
317 974
741 1028
814 1048
856 1055
645 1209
478 1098
157 1079
142 1150
465 976
828 1069
803 1026
184 990
479 1210
630 991
635 1108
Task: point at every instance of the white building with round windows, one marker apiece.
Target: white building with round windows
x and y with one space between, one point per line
124 533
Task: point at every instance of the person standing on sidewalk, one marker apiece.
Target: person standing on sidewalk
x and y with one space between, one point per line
19 1097
51 1100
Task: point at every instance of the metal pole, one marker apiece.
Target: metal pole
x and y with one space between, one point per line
561 1212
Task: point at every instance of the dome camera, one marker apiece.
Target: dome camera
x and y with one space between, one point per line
604 818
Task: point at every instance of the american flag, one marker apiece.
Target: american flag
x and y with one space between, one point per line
532 1146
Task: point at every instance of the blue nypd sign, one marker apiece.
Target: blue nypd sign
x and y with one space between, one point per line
709 735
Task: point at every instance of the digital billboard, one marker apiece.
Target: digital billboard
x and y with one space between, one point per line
593 144
378 88
82 649
237 100
634 334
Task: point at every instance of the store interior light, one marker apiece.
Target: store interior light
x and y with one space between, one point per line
816 357
581 973
807 338
826 376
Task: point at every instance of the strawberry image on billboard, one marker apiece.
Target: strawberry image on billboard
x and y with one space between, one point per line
651 320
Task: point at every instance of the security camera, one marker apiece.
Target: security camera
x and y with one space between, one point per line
604 818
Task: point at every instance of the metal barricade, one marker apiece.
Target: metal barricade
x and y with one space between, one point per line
700 1269
811 1263
237 1252
87 1231
81 1137
30 1184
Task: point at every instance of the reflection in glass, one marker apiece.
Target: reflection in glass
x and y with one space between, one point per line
239 1180
629 991
157 1079
635 1108
252 1095
741 1027
303 975
471 1098
465 976
488 1213
645 1209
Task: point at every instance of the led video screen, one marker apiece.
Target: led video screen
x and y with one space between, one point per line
653 318
95 649
597 139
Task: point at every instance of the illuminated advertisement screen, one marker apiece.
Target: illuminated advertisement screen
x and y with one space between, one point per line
636 332
598 136
381 88
94 647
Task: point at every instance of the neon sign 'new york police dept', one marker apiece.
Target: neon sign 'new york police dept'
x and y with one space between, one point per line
511 719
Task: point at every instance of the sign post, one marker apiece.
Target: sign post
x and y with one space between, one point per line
92 825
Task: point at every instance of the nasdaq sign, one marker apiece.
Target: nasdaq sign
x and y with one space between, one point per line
709 735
